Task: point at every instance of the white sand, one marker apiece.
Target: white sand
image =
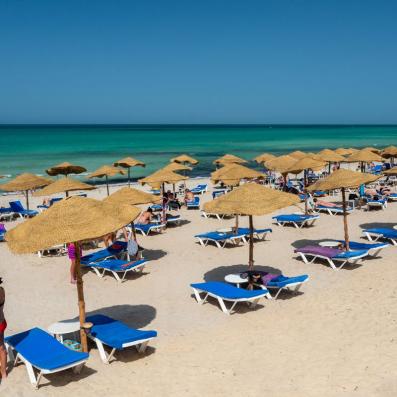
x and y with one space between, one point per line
337 338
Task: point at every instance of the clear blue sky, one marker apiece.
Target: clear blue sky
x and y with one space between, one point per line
198 61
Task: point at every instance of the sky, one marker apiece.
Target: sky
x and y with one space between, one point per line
206 61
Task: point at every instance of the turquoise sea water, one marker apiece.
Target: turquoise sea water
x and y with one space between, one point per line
35 148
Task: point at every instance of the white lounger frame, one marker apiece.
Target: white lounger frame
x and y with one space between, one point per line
100 271
300 224
376 236
221 300
376 204
140 345
222 243
352 260
35 380
293 287
333 210
154 228
59 249
208 215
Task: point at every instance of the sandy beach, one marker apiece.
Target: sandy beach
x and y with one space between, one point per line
336 337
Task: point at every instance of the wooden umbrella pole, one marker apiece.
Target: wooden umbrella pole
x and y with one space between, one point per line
27 199
107 184
163 204
129 177
80 295
251 245
236 227
67 193
345 219
305 190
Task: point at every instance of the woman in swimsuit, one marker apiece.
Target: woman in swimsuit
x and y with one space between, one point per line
3 326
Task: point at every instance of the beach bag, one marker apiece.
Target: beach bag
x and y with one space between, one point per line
132 247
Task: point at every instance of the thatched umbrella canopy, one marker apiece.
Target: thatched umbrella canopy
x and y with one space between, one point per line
63 185
72 220
106 171
159 178
176 167
184 159
363 156
24 183
330 156
65 169
129 162
264 157
229 158
233 174
127 195
280 164
344 179
389 152
251 199
392 171
372 149
305 164
297 154
343 152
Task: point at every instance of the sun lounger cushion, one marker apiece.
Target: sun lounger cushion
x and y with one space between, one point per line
388 233
115 333
282 281
246 230
42 350
364 246
227 291
146 228
117 265
220 236
328 252
294 218
115 249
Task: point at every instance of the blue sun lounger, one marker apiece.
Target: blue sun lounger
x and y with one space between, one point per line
116 250
39 350
2 232
117 335
193 204
392 197
332 210
116 266
286 283
377 204
220 239
376 233
226 292
296 220
149 228
373 249
18 208
331 255
199 189
259 234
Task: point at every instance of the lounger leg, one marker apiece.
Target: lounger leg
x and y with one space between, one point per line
199 300
102 353
10 352
117 277
77 369
32 377
296 225
394 242
223 306
332 264
142 347
303 256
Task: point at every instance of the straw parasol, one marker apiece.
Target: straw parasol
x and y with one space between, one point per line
176 167
389 153
233 174
63 185
264 157
24 183
106 171
72 220
229 158
297 154
128 195
343 179
343 152
373 149
391 171
65 169
363 156
159 178
280 164
184 159
305 164
251 199
330 156
129 162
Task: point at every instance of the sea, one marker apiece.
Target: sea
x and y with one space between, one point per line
34 148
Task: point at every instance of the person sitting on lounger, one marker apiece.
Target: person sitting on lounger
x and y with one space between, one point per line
173 202
189 196
384 190
325 203
3 326
146 217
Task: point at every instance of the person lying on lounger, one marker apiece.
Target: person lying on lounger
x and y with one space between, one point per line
146 217
189 196
325 203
